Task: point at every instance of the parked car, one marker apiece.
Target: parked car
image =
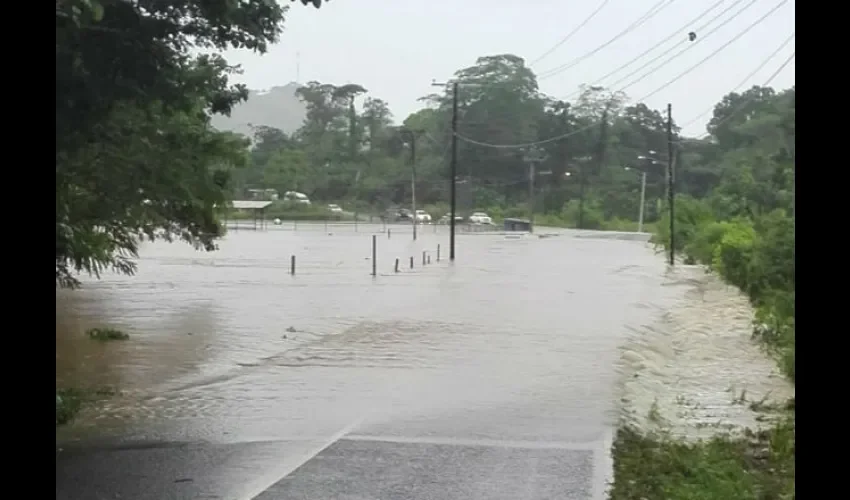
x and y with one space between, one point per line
423 216
335 208
480 218
296 197
445 219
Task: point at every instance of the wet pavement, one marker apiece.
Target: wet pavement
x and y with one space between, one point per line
490 378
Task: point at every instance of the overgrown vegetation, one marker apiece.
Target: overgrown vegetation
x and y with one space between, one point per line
70 401
104 334
743 230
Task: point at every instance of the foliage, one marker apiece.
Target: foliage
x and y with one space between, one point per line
104 334
70 401
758 466
135 156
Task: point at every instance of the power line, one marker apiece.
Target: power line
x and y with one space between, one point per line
662 42
571 33
652 12
730 42
747 102
746 78
688 47
665 85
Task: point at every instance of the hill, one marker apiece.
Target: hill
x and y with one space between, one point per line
277 107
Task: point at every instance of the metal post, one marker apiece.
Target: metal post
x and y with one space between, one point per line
671 196
292 265
642 200
453 174
438 253
374 255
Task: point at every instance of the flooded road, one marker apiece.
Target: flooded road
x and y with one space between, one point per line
513 347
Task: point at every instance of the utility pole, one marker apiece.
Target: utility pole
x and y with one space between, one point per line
532 157
671 195
412 135
642 200
453 174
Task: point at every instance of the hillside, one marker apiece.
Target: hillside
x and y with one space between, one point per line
277 107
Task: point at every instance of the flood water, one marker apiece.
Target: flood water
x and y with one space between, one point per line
517 340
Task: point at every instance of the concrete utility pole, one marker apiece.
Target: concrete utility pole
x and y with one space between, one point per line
532 157
412 136
671 194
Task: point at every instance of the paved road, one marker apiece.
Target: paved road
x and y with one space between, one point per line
493 379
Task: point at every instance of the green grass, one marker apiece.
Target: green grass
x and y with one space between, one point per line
105 334
70 401
754 467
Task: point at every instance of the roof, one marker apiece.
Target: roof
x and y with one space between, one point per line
250 204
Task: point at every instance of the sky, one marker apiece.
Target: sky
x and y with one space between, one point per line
396 48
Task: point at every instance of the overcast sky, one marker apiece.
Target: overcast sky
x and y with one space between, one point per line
395 48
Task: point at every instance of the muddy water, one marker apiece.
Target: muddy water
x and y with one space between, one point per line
519 340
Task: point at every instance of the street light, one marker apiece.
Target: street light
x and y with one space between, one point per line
642 197
412 135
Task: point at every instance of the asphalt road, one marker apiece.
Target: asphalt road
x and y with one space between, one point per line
358 468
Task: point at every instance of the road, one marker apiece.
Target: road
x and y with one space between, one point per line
492 378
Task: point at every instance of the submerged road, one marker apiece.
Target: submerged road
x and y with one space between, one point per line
493 378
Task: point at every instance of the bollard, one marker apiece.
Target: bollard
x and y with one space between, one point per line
429 259
374 255
389 233
411 262
292 265
438 253
396 265
295 225
423 257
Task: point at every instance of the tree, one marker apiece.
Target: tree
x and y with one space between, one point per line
135 155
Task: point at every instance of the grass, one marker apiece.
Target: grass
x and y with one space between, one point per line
757 466
105 334
70 401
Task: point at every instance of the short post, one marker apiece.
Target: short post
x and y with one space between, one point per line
396 265
411 262
295 225
292 265
429 259
389 233
438 253
423 257
374 255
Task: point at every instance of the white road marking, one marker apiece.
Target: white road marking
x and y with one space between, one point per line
266 482
603 466
493 443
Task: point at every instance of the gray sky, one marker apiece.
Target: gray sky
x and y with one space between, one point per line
395 48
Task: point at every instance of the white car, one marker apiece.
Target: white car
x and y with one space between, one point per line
335 208
296 197
422 216
480 218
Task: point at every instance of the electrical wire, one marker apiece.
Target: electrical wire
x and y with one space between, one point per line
745 80
652 12
571 33
730 42
665 85
672 35
688 47
746 103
